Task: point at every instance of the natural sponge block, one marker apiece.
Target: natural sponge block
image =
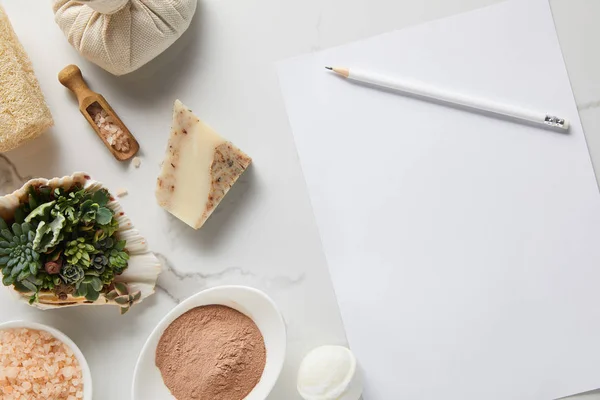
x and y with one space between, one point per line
199 169
24 114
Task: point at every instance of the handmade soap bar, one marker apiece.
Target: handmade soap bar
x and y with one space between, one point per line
199 169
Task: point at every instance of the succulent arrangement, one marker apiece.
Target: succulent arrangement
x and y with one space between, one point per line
63 242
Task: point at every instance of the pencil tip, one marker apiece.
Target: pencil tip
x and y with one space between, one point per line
329 68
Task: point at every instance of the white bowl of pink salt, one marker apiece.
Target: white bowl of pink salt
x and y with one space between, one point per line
224 343
40 362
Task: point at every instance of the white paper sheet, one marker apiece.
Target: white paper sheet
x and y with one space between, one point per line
464 250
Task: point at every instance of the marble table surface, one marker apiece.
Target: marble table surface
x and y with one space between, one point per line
264 234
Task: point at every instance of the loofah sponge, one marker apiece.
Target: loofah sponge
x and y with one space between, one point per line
24 114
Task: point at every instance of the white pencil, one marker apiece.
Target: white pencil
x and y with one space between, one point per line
472 103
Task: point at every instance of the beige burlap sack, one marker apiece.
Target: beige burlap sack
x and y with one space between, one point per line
122 35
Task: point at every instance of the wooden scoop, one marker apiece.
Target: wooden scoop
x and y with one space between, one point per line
113 133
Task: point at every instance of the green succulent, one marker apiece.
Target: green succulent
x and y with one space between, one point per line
92 212
99 264
18 259
49 282
63 241
47 235
94 209
67 205
32 284
41 213
118 257
82 206
106 231
89 288
104 244
78 252
122 296
35 196
72 274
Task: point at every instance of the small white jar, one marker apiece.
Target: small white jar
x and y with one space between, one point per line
329 373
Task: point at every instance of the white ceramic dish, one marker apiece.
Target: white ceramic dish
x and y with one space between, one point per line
85 369
147 380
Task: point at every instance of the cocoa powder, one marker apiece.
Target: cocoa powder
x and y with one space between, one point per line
211 353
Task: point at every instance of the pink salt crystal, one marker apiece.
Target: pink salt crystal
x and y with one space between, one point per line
11 372
31 360
112 133
67 372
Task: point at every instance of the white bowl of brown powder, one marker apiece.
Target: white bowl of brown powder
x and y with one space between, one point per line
40 362
225 343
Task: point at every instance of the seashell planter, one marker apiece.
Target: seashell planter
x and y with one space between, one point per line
137 280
